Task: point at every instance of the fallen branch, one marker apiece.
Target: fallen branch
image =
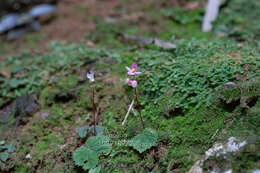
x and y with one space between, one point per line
130 108
211 14
146 40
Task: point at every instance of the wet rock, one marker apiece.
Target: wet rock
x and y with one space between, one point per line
25 106
221 155
41 10
7 6
18 24
8 22
17 113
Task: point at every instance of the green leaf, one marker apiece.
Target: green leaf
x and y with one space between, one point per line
4 156
14 83
100 144
114 153
17 69
3 147
85 157
10 148
99 130
144 141
95 170
83 131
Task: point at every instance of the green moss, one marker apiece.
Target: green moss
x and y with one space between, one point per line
21 169
48 142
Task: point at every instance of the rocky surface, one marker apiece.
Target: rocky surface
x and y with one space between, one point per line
219 158
18 112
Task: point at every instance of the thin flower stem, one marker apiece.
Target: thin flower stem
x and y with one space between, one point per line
94 110
139 109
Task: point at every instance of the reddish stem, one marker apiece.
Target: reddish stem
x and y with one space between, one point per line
94 109
139 109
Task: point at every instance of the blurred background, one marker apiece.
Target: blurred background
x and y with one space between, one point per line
98 21
198 85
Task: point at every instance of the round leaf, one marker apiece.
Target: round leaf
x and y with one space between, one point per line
85 157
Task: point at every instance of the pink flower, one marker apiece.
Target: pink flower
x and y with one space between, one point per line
128 81
132 83
133 70
90 76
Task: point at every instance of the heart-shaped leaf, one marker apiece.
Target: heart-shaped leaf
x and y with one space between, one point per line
83 131
85 157
100 144
95 170
144 141
99 130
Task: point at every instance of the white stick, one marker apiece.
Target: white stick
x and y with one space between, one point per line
210 14
130 108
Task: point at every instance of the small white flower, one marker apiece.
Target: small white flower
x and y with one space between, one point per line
28 156
90 76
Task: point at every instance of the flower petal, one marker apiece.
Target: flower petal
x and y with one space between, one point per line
134 83
127 80
128 69
131 73
134 66
90 76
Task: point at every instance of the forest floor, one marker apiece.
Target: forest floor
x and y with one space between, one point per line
75 19
202 92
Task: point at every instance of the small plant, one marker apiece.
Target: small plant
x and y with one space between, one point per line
149 137
90 76
87 156
144 141
133 83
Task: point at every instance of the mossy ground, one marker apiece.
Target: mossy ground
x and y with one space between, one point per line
181 94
